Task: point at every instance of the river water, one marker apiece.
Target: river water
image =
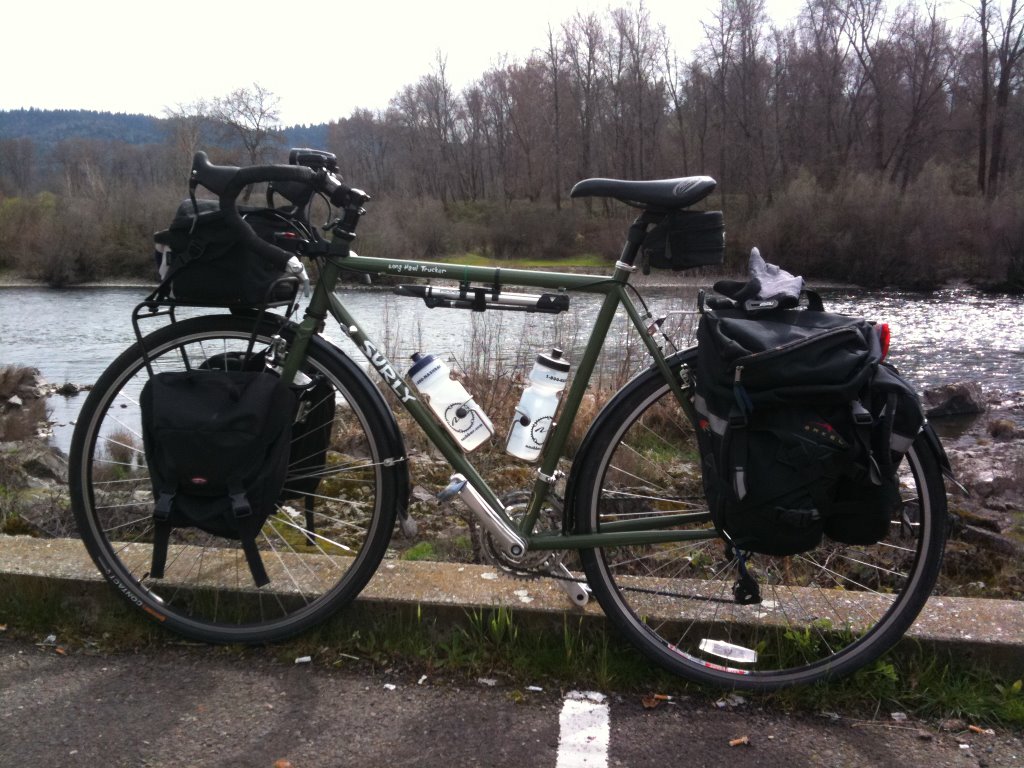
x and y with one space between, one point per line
938 338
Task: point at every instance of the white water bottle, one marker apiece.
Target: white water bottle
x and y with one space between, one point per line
536 409
450 401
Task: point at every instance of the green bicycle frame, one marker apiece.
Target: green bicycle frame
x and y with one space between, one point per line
325 301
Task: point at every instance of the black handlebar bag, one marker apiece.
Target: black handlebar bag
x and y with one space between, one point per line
799 434
217 446
202 259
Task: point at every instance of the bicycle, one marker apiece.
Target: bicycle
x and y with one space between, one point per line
633 507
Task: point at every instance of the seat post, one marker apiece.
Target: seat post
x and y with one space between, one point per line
634 239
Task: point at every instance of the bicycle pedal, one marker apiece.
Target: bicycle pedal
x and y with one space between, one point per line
457 484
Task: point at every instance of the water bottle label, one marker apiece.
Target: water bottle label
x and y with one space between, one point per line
466 424
539 433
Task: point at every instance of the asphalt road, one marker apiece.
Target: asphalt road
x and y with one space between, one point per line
194 706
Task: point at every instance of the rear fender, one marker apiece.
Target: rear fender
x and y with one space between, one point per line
931 439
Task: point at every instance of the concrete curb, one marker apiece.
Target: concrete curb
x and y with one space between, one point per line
988 632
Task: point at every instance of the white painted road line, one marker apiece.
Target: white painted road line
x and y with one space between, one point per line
583 731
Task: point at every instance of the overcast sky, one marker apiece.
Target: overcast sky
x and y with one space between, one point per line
322 59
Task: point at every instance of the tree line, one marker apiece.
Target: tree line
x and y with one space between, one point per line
862 141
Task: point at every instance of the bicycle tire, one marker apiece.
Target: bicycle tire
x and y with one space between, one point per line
824 613
318 558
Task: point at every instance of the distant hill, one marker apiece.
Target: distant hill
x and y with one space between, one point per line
48 127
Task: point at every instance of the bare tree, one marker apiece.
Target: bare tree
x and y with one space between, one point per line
187 123
1009 54
642 47
364 142
250 117
17 166
924 59
984 11
583 40
553 62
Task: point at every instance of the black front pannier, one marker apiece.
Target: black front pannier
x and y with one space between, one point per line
686 239
801 428
217 446
310 432
202 259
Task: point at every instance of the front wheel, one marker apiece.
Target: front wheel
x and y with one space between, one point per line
333 520
823 613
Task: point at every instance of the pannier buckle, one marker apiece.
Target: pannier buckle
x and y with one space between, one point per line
737 419
162 510
240 505
861 416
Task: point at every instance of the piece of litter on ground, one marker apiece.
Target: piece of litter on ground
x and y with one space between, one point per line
899 717
490 682
730 701
534 689
979 729
742 741
655 699
523 595
303 659
50 640
389 686
490 576
422 680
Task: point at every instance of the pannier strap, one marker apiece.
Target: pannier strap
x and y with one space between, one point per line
161 540
252 557
161 533
162 537
247 537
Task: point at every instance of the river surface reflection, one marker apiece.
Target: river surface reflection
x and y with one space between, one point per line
941 337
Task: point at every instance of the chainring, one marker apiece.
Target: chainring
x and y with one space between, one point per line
533 563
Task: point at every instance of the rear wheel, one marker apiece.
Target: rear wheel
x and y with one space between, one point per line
825 612
332 524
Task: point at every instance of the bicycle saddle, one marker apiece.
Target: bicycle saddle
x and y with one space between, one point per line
666 194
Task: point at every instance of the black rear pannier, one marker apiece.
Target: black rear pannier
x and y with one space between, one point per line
217 447
202 259
685 239
801 428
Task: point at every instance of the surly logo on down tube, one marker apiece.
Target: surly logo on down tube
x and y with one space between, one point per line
378 361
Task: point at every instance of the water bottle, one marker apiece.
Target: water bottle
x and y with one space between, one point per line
536 409
450 401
